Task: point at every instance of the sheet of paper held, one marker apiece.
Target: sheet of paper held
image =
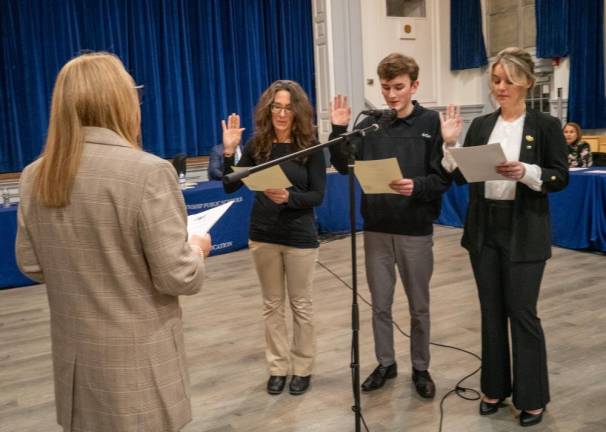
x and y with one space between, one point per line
375 175
270 178
201 223
478 163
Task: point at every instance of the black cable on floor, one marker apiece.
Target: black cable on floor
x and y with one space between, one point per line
459 390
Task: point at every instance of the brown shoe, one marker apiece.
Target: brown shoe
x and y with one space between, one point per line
424 384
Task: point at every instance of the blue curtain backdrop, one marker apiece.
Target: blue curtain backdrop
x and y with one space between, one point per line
467 48
586 95
551 18
199 60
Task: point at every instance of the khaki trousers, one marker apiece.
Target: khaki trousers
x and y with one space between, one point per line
281 269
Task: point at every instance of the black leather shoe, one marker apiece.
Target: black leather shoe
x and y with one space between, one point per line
424 384
377 378
487 408
527 419
299 384
275 384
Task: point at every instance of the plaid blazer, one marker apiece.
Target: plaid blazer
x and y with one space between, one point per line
114 261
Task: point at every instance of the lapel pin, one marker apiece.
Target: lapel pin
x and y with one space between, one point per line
529 138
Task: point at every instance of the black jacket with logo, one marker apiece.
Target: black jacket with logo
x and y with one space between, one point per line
416 142
543 144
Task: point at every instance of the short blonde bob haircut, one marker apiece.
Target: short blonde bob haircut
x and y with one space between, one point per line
518 66
93 89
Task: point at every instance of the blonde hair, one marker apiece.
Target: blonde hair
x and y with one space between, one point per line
92 89
518 66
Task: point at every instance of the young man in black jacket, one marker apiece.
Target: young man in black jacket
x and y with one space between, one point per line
398 228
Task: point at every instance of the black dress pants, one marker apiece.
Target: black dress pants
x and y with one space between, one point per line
509 291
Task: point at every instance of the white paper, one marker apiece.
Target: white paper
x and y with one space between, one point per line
270 178
598 171
201 223
478 163
375 175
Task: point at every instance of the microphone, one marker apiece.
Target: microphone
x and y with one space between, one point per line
387 114
372 128
233 177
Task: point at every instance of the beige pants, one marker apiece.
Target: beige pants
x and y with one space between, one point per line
280 269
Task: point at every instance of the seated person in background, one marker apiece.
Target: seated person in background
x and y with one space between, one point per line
579 152
215 161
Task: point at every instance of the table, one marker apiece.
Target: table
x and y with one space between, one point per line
578 213
10 276
578 216
230 233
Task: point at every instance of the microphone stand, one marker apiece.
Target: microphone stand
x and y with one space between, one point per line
355 318
244 172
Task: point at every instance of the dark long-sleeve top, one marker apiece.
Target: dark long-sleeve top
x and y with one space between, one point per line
543 144
293 223
416 142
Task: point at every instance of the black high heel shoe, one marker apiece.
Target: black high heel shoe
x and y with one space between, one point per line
487 408
528 419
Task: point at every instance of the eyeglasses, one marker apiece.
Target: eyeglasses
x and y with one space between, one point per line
277 109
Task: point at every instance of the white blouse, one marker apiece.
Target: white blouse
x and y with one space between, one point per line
509 134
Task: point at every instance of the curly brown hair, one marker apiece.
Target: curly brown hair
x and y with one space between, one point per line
302 134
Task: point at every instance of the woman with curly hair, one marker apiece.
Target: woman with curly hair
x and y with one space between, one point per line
283 236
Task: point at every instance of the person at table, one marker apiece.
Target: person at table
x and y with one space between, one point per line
579 152
215 161
398 228
507 234
103 224
283 235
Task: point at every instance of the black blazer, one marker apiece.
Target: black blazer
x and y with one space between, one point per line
543 144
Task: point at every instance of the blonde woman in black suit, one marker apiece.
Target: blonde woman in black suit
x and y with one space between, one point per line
508 235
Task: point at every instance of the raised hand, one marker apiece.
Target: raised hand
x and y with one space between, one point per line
232 133
451 124
340 111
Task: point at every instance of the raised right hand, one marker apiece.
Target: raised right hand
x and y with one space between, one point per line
340 111
451 124
232 133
